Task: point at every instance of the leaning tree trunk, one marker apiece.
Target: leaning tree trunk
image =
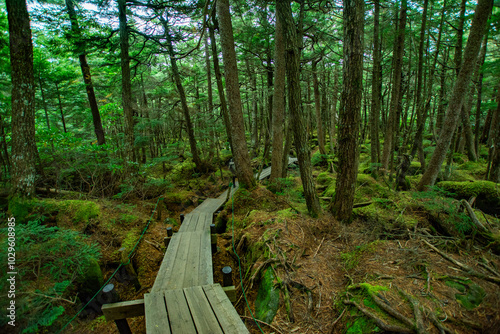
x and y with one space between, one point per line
278 103
87 78
483 10
240 148
349 113
182 95
220 86
126 83
292 57
24 151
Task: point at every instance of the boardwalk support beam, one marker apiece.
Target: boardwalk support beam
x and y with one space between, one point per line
213 238
110 294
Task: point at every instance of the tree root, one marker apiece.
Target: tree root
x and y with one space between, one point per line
260 268
419 322
379 322
442 329
462 266
263 323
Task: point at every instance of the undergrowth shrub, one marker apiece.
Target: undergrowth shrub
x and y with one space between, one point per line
48 262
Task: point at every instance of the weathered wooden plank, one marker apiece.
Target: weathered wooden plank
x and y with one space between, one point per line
192 264
188 221
226 314
123 310
178 312
205 275
156 314
167 264
178 269
201 311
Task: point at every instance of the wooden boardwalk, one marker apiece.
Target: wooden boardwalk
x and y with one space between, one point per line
184 298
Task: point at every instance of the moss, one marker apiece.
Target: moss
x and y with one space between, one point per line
130 239
324 179
268 298
351 259
183 170
361 325
287 213
473 167
78 211
91 280
488 190
473 298
128 218
21 208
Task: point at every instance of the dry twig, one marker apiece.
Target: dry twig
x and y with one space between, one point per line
262 322
321 243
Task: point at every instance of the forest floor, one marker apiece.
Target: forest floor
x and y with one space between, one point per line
407 261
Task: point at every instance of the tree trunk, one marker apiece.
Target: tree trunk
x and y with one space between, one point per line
220 86
278 102
349 113
494 170
126 83
292 57
333 116
317 108
483 10
87 78
24 151
396 87
60 108
481 60
376 92
185 109
210 105
240 149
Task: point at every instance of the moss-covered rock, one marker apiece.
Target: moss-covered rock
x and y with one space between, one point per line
487 193
91 279
268 298
21 208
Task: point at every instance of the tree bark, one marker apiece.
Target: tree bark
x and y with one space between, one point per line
376 91
483 10
240 148
396 97
87 78
292 57
126 83
494 170
349 113
60 107
481 60
278 102
317 107
24 151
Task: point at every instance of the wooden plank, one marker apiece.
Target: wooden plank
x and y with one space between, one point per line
156 314
123 310
201 311
178 312
167 263
205 275
178 267
188 219
192 264
226 314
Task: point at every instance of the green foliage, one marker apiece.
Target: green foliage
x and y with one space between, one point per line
470 295
281 185
20 208
324 179
55 256
183 170
351 259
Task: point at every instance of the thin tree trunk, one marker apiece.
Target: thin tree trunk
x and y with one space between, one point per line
483 10
494 152
220 86
317 107
240 149
210 105
87 78
396 87
284 11
60 108
333 125
376 92
481 60
349 113
185 109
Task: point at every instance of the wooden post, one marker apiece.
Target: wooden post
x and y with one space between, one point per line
227 276
127 263
182 217
167 239
213 238
109 295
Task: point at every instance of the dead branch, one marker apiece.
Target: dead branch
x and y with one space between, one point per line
361 205
321 243
442 329
262 322
379 322
337 320
473 217
154 244
463 266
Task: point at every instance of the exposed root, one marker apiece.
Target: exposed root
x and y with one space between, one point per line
379 322
263 323
419 325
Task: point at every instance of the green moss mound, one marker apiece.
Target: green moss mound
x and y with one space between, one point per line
487 193
268 298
